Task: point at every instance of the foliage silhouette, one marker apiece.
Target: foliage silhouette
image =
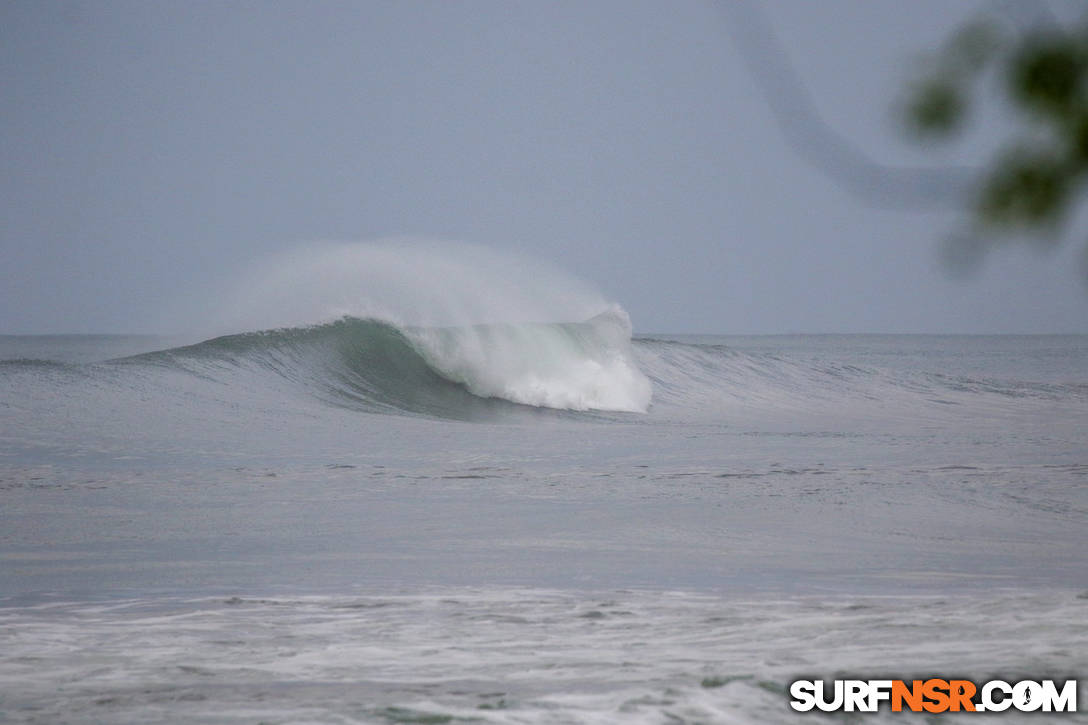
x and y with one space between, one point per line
1035 181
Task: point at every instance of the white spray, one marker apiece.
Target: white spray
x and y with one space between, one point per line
500 324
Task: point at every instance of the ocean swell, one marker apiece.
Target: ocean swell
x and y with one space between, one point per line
440 371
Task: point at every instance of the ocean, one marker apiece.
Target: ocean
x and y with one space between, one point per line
533 522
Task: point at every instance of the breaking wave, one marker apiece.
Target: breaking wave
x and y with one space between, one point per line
442 371
468 333
492 371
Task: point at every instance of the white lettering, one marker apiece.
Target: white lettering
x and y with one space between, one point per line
1064 701
879 690
804 695
988 701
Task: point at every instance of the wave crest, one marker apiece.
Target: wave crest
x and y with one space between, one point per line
440 371
576 366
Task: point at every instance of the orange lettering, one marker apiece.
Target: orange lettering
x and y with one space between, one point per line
912 695
961 692
936 691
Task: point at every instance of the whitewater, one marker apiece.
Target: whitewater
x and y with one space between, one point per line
418 483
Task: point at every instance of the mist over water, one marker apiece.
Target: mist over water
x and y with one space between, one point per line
418 282
500 325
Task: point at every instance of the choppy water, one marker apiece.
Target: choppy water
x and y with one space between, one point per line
505 656
359 522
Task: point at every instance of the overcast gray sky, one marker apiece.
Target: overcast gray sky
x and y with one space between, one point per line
155 150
